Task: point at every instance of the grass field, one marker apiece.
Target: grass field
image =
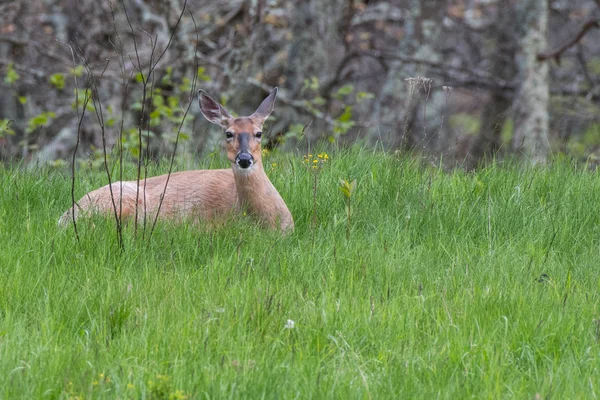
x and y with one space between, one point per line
451 285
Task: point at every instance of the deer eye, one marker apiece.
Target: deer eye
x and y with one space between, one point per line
229 135
258 135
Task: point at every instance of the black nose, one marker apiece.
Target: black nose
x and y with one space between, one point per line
244 160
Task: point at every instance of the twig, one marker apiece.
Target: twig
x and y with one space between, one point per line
190 102
142 116
557 53
95 96
126 82
80 118
153 43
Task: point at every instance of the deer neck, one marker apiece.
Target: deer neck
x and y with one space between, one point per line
258 196
252 186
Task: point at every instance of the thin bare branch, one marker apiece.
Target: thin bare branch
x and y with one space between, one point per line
558 52
192 97
80 119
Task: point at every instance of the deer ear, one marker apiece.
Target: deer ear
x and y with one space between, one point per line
212 110
266 107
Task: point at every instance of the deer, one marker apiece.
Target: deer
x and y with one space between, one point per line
204 195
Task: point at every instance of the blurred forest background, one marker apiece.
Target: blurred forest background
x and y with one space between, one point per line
456 79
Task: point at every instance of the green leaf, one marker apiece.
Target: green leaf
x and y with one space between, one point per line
5 127
345 90
346 115
312 83
39 121
22 99
202 76
57 80
11 74
173 101
157 100
361 96
77 71
319 101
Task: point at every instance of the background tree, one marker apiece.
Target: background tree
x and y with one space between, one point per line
347 69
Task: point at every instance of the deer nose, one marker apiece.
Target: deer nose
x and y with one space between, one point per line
244 160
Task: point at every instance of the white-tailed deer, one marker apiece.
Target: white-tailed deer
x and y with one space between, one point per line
204 194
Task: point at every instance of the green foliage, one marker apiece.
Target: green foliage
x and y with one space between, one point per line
343 122
453 285
347 188
11 74
57 80
5 127
295 131
344 91
83 97
202 75
465 123
77 71
312 84
164 109
363 96
39 121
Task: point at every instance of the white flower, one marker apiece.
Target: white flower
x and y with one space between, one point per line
289 324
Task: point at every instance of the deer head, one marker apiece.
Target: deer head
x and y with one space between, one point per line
243 134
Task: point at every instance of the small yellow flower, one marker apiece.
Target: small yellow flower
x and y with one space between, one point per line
265 152
130 386
315 161
310 156
95 383
315 167
273 165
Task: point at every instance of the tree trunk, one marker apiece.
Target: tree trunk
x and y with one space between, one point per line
497 109
531 106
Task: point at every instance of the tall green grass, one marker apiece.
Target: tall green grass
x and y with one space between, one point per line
451 285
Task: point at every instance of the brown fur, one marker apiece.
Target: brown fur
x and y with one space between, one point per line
204 195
